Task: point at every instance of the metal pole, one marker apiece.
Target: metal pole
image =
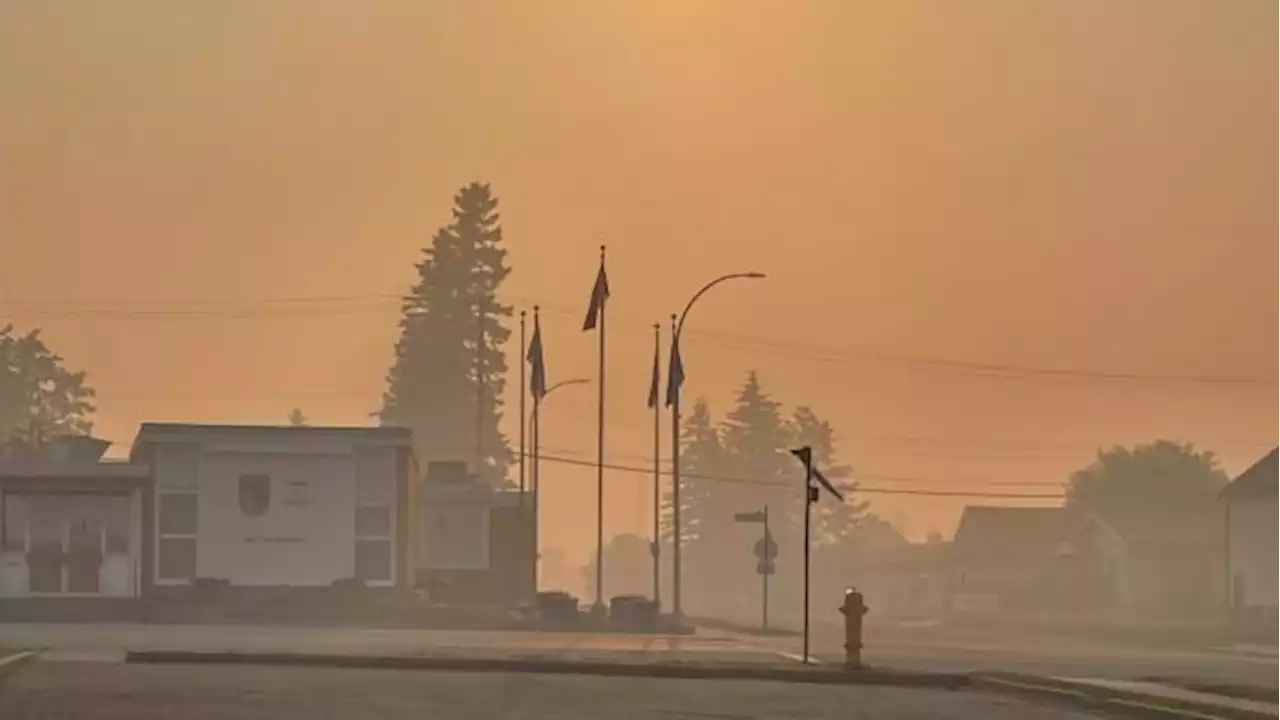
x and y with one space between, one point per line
676 541
535 484
1226 564
523 351
808 505
676 327
480 389
764 604
600 457
657 473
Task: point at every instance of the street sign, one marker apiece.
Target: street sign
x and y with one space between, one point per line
766 548
756 516
766 568
830 488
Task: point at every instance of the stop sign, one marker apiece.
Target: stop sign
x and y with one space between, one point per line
766 548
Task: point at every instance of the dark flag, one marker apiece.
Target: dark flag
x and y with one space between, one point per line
537 368
599 294
654 379
675 375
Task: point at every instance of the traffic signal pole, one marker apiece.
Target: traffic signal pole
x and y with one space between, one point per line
764 577
808 512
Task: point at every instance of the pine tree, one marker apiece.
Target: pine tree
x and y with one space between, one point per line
834 523
449 364
756 440
701 456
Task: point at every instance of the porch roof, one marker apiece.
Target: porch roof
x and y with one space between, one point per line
40 474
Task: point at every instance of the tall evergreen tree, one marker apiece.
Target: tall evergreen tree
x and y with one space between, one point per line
834 523
701 457
448 375
756 440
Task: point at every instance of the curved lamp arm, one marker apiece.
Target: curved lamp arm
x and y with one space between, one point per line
708 286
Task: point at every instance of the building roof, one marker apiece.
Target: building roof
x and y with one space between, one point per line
1259 482
999 532
154 433
52 470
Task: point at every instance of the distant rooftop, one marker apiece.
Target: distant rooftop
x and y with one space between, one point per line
1259 482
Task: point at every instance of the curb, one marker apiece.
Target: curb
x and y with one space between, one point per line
792 674
1133 704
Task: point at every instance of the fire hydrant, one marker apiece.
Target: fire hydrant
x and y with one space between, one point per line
853 610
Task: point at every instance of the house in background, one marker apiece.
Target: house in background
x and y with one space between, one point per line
1153 566
71 526
1002 558
1250 515
255 506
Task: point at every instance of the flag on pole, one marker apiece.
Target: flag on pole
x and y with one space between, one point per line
599 294
654 379
537 368
675 374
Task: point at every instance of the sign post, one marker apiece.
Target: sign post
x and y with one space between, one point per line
805 456
766 551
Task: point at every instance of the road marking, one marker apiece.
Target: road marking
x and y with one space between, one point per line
16 657
798 658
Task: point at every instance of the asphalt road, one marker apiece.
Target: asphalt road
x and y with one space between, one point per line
924 647
116 691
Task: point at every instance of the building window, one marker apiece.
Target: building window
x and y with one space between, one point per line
375 554
255 494
373 560
177 525
177 558
178 514
373 521
15 526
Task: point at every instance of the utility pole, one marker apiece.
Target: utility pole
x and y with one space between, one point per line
805 456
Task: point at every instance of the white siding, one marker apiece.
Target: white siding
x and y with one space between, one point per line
1253 551
306 536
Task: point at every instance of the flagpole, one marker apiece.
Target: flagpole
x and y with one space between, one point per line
523 349
600 456
657 470
535 480
677 528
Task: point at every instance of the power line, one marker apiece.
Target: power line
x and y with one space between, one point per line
867 476
324 305
853 488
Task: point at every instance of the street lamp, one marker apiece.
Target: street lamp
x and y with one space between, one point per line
675 432
535 432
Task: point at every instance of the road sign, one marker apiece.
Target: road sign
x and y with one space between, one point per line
766 548
766 568
756 516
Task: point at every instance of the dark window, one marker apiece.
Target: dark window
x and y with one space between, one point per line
255 494
15 526
178 514
373 521
177 558
373 560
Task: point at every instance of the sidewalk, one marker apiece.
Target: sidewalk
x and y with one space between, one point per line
1159 699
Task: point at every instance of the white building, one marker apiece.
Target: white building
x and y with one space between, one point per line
278 506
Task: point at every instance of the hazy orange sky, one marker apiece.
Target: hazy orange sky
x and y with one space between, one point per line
1084 185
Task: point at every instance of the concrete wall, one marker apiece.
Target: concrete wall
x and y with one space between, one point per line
1254 553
